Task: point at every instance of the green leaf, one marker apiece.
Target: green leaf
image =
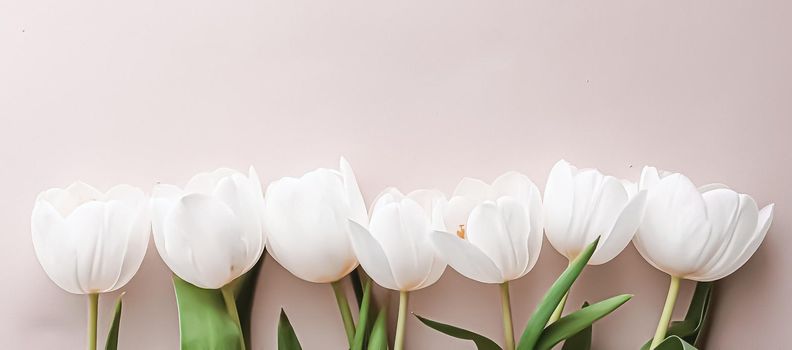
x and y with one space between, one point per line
287 339
204 321
674 343
360 332
695 319
536 324
581 340
112 335
357 284
244 290
482 342
378 340
690 328
577 321
359 278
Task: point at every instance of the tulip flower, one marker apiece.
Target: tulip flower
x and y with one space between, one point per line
499 236
89 242
308 230
396 250
581 205
701 234
210 232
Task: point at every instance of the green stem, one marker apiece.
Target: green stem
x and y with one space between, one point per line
508 326
400 321
230 303
346 314
668 309
93 312
559 309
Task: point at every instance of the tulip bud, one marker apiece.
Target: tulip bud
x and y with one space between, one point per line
211 232
581 205
307 223
700 234
502 234
396 250
88 241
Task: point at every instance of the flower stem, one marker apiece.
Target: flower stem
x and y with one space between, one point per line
508 327
346 314
93 312
559 309
668 309
230 303
401 320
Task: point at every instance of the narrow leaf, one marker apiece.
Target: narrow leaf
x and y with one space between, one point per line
378 340
577 321
287 339
244 290
674 343
204 321
544 310
360 332
112 335
690 328
581 340
482 342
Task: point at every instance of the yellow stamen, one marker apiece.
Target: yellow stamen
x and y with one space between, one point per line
461 232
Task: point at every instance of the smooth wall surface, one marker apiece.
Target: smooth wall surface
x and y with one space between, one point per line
416 94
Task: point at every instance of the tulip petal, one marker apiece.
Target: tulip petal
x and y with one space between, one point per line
558 200
205 183
52 244
206 234
137 244
515 185
86 224
306 221
240 195
473 189
68 199
402 229
489 230
357 206
387 196
622 232
163 198
674 229
649 178
457 212
712 186
724 209
466 258
741 249
435 272
371 256
433 203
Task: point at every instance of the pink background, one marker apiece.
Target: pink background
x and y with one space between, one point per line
415 94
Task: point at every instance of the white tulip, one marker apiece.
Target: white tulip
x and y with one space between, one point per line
307 223
582 204
87 241
210 232
500 234
700 234
396 250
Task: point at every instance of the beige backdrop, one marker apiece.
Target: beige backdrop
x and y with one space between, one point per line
415 94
